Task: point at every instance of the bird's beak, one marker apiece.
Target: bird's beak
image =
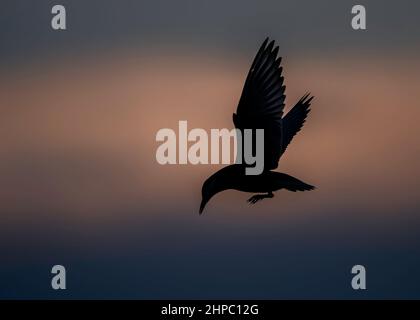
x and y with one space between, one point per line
202 205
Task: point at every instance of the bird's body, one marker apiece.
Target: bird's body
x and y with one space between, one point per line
261 107
234 177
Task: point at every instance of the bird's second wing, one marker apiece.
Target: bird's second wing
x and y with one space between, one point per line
293 121
262 101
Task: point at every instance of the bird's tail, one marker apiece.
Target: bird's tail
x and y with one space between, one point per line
292 184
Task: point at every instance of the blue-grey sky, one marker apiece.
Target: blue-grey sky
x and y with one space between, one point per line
300 25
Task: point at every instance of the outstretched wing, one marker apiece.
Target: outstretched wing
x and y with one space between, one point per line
262 102
293 121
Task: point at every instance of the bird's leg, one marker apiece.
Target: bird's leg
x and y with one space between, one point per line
258 197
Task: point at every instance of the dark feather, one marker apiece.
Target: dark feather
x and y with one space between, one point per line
293 121
262 101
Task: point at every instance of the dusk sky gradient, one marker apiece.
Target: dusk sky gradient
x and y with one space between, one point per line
80 185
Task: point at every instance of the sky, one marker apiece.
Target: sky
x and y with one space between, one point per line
81 186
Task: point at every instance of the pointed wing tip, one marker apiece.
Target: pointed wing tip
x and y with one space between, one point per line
271 45
264 44
307 98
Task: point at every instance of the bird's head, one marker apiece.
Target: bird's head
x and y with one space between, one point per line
220 181
211 186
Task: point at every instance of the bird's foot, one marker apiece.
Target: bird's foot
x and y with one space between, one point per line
258 197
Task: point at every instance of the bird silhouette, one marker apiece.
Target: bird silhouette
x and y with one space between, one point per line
261 107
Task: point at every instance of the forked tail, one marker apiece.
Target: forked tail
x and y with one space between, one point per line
292 184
